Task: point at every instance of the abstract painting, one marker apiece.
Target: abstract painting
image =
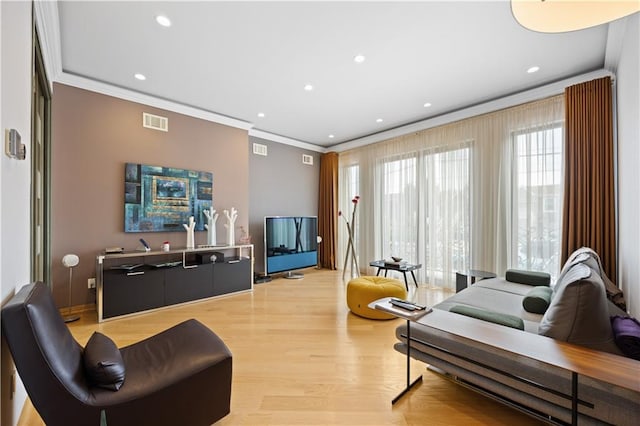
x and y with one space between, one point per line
161 199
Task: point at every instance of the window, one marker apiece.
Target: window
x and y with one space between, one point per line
447 213
482 193
399 211
425 211
537 199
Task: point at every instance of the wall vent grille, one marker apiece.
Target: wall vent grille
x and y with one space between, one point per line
155 122
260 149
307 159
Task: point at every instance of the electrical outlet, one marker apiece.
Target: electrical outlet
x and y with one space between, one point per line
91 283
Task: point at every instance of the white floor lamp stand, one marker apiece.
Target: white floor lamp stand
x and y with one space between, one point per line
70 260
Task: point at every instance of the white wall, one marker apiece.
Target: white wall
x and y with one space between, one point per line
628 103
15 112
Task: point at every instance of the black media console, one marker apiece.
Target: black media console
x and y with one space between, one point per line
128 283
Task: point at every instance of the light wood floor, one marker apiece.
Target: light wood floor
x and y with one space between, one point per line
301 358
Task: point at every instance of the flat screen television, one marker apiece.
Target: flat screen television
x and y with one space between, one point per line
290 243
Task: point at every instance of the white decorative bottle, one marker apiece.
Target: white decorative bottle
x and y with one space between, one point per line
190 234
210 226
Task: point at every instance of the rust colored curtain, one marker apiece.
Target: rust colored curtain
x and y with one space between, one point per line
589 204
327 209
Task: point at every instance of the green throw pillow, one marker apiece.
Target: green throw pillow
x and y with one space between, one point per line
527 277
537 300
490 316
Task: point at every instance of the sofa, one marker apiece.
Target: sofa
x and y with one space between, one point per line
515 368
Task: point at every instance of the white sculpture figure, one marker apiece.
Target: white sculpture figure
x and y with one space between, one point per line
210 226
231 219
189 228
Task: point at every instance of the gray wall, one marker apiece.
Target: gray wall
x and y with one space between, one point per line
279 185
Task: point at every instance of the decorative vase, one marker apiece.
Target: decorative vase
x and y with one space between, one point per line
190 232
230 225
210 226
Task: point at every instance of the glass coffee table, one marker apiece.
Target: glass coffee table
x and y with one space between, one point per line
403 267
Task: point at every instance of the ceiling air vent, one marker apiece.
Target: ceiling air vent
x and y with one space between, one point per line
307 159
155 122
259 149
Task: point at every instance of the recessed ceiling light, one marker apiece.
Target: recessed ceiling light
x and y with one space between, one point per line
308 87
140 77
163 20
261 114
379 120
359 59
533 69
331 136
427 105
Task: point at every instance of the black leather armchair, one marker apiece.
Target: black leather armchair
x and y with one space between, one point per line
181 376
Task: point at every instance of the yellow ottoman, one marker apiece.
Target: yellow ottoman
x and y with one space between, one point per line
364 290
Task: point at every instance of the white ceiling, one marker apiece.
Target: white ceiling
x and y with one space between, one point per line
237 59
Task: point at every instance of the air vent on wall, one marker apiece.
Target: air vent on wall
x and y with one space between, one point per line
307 159
259 149
155 122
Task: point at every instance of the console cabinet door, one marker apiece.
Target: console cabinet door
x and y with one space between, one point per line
183 285
128 292
229 277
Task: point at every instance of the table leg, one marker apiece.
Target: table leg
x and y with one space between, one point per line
378 273
414 279
574 398
409 383
406 284
462 282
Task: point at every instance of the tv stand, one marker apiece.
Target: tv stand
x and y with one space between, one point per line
129 283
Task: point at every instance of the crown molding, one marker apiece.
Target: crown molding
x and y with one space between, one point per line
48 28
287 141
141 98
541 92
615 40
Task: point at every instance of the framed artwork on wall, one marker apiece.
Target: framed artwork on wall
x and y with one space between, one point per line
161 199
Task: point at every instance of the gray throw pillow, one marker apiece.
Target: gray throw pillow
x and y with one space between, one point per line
103 362
584 255
537 300
578 312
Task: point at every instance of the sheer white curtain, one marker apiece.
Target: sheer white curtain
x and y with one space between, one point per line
447 212
445 197
398 221
537 195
